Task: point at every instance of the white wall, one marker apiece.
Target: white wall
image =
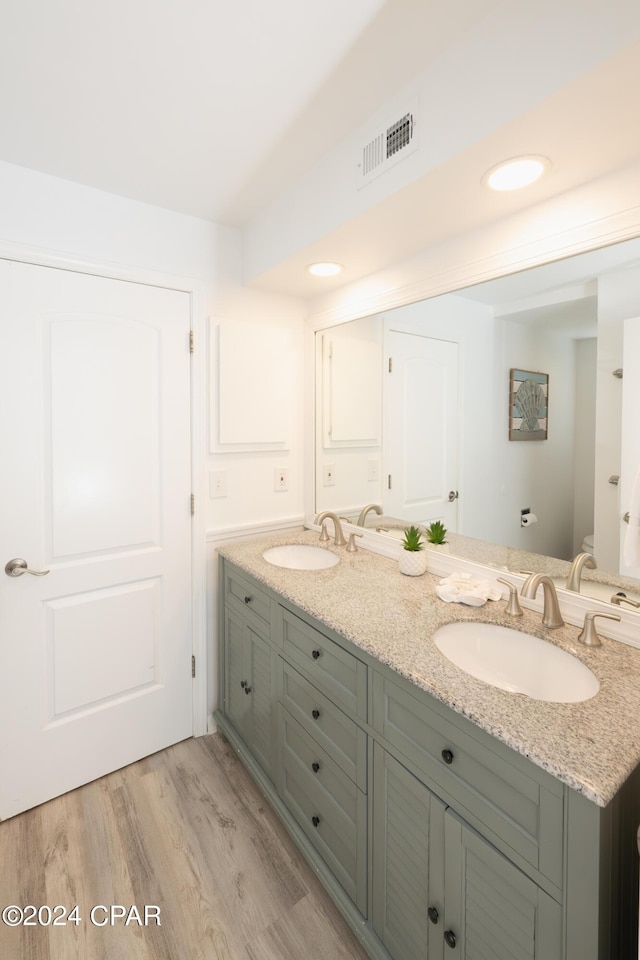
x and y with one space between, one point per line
539 474
251 498
359 374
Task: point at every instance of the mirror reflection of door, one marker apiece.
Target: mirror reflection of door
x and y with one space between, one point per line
421 401
629 547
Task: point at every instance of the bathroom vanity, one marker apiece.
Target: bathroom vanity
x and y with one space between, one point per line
446 818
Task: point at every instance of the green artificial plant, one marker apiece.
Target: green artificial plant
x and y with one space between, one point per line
436 532
412 539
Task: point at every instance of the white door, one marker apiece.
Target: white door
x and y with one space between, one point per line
420 436
95 656
629 534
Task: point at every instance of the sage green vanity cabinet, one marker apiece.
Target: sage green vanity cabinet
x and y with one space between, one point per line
435 839
327 805
407 862
251 670
438 884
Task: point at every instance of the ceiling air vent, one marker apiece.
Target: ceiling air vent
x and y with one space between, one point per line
393 143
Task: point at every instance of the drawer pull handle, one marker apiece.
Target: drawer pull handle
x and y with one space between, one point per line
315 654
315 766
432 913
248 599
450 938
447 756
315 821
315 714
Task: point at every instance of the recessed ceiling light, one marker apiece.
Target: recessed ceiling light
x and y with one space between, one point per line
325 269
515 174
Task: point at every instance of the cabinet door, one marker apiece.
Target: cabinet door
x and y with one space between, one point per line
250 687
492 910
236 677
261 696
407 862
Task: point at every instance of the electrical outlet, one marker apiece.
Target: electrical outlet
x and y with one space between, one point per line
373 469
329 475
217 484
281 479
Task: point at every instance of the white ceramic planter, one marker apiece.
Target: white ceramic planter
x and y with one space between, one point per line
413 563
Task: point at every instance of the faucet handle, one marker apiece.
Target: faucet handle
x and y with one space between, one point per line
589 635
619 598
351 547
513 604
324 533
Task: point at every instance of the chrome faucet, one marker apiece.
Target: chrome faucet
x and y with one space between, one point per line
582 560
338 537
551 616
366 510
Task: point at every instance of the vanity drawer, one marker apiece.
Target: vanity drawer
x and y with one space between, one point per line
242 594
335 671
327 805
515 802
337 733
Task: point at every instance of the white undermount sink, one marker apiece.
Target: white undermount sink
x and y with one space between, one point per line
516 661
300 556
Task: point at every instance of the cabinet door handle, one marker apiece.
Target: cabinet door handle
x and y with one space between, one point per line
450 938
243 684
315 821
248 599
315 767
315 714
447 756
432 913
247 689
315 654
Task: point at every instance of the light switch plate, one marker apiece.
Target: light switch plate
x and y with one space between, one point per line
329 475
281 479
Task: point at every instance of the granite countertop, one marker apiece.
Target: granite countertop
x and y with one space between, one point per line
592 746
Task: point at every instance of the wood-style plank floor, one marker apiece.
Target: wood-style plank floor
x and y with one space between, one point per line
185 830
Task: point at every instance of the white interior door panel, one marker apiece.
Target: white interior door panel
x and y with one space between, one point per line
95 655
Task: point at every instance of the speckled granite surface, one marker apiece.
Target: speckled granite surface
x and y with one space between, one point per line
591 746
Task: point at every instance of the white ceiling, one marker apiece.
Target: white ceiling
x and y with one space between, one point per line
205 107
211 108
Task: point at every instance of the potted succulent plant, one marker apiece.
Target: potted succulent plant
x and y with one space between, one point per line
437 534
413 562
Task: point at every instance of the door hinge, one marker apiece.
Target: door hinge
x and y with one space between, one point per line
390 364
193 666
191 341
193 504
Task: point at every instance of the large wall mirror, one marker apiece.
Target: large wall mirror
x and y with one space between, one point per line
414 408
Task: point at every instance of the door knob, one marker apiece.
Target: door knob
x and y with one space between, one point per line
453 495
15 568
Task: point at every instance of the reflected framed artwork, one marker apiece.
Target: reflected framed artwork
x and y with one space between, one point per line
528 405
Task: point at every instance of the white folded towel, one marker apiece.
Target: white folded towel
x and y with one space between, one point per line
463 588
631 548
